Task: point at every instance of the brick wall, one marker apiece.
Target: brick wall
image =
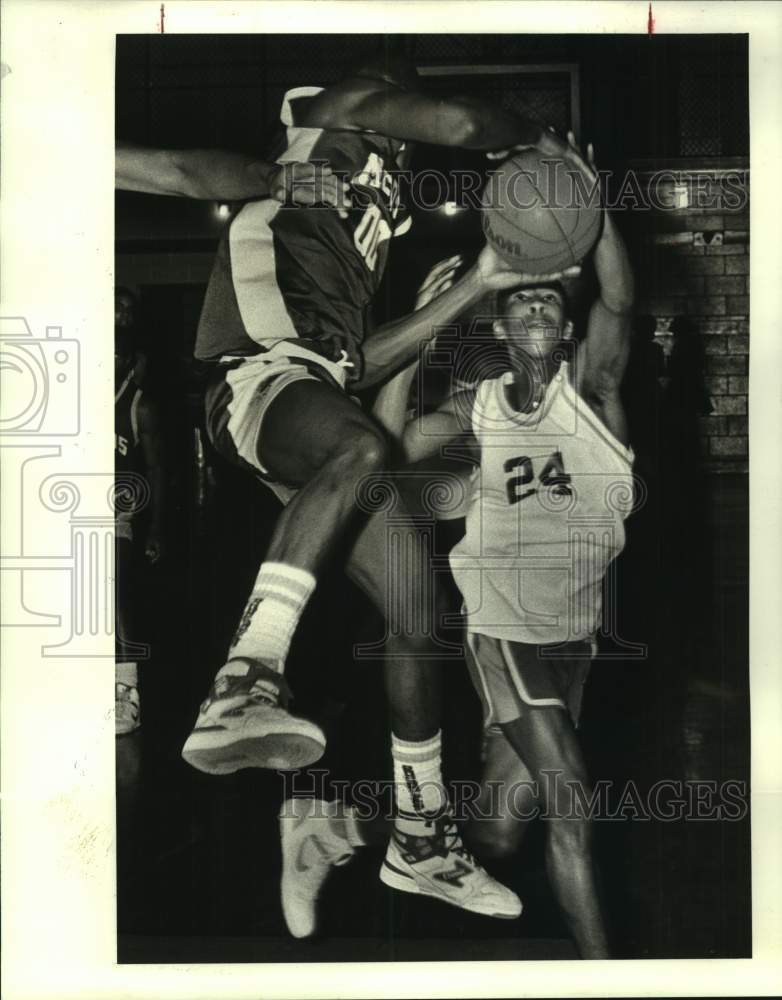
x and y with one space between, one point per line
694 262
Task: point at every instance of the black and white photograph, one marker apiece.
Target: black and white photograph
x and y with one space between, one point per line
421 577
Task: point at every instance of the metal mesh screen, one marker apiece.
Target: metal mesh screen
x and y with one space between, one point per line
543 97
712 100
678 96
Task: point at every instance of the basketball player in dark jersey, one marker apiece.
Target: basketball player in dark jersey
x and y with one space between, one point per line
139 474
285 322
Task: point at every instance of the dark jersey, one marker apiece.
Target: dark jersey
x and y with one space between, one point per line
127 450
126 434
304 274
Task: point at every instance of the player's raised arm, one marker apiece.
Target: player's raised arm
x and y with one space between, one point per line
363 103
603 356
391 402
423 436
214 174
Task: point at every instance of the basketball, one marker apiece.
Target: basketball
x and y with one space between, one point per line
538 214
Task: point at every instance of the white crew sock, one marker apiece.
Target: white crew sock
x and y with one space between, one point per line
126 673
271 615
418 783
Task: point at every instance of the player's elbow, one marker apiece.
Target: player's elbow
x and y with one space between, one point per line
180 176
468 130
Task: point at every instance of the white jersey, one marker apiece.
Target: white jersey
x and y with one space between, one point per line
546 516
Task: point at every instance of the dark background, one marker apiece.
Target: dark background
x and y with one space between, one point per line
198 857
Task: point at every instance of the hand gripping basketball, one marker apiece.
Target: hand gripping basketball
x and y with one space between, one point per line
542 214
496 274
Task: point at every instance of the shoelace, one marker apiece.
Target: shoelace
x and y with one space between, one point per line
231 685
453 843
344 360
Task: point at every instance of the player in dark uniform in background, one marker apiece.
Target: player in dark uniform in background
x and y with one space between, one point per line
139 480
285 319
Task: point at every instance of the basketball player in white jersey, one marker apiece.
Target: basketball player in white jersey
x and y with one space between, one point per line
550 492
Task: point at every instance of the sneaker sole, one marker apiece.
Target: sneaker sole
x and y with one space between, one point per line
293 813
396 879
224 753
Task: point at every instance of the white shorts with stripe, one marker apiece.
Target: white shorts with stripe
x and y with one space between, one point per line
240 396
513 677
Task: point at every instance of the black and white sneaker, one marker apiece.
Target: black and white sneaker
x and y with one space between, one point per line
441 866
241 724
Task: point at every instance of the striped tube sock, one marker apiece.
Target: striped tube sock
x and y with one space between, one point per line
418 784
126 673
271 616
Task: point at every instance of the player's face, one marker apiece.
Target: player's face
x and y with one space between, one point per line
536 314
123 311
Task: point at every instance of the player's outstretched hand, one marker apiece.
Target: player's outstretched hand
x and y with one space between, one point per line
310 184
496 275
439 279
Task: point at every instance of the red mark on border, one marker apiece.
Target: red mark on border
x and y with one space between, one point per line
650 21
163 18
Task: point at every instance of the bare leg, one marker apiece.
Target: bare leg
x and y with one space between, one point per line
412 674
126 705
544 738
315 439
508 801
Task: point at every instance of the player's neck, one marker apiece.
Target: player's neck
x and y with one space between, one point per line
532 374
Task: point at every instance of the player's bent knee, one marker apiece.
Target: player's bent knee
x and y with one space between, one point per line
363 449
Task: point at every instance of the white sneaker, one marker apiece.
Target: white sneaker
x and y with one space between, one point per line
240 725
441 866
310 849
127 709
